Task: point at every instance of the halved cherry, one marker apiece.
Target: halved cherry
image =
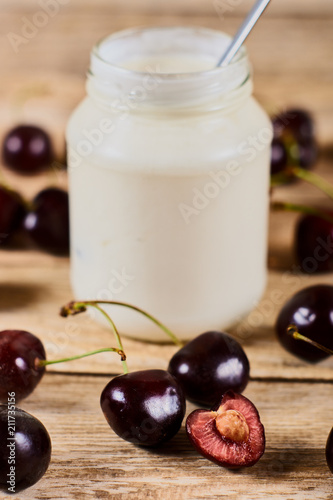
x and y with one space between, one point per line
230 435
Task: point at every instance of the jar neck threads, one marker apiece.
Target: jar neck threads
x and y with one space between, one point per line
112 85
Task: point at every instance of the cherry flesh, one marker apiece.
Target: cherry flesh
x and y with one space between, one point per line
48 222
312 244
209 365
27 149
311 311
145 407
230 435
329 451
12 212
19 351
25 439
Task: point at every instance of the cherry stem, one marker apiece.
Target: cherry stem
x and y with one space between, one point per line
280 178
304 209
292 329
305 175
77 307
312 178
44 362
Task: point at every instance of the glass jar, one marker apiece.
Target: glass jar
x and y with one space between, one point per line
168 162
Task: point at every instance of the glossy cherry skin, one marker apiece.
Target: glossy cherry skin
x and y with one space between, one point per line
18 373
279 157
311 310
294 143
329 451
145 407
27 149
229 441
313 244
48 222
209 365
12 212
297 122
25 440
303 153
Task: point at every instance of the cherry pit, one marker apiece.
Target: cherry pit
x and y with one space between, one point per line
147 407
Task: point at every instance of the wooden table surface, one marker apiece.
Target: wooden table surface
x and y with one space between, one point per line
291 51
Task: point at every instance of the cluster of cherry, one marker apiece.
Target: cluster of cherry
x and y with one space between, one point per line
44 220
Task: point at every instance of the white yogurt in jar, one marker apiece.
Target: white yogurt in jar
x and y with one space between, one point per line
169 182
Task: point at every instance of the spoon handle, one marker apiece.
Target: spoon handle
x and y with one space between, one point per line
243 32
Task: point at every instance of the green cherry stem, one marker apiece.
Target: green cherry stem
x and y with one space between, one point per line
304 209
292 329
305 175
312 178
278 179
77 307
44 362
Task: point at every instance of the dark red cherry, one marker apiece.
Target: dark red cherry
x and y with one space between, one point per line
27 149
48 222
25 448
19 351
311 310
145 407
209 365
230 435
279 157
329 451
294 143
302 153
12 212
314 244
296 122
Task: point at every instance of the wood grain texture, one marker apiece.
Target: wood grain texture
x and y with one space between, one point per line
296 8
90 462
49 70
33 287
291 51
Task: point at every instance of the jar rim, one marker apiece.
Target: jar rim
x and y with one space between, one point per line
121 35
110 81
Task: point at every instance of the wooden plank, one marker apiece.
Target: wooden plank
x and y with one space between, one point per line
34 286
89 461
41 84
49 71
299 8
65 43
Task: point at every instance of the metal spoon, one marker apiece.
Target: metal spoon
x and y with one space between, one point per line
243 32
